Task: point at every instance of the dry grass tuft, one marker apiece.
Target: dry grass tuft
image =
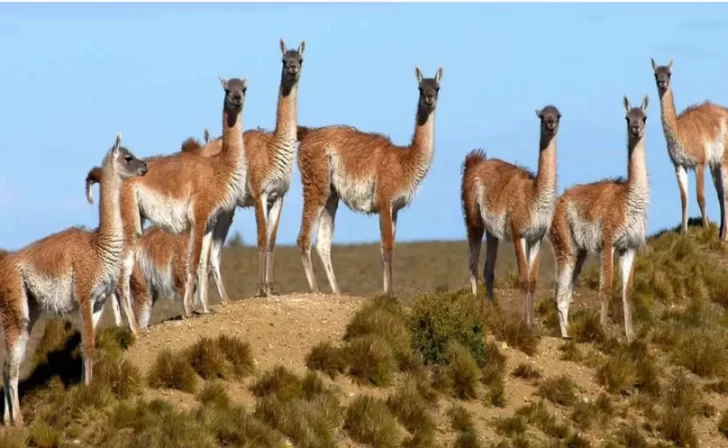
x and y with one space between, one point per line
460 419
114 339
279 382
538 415
467 440
559 390
234 426
122 378
327 358
570 352
215 394
238 353
723 424
511 426
172 371
510 328
375 363
630 367
463 372
719 387
586 413
584 326
703 351
369 421
310 424
526 371
412 411
208 360
43 435
383 317
14 438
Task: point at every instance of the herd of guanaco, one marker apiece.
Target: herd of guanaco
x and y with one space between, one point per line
190 198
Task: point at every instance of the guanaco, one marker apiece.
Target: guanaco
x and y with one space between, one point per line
186 193
72 270
506 201
695 138
601 218
366 171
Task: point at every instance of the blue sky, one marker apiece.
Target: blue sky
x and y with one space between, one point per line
75 74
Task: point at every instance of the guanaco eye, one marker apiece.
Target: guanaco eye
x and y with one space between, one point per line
128 159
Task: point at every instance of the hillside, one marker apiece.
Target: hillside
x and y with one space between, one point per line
519 390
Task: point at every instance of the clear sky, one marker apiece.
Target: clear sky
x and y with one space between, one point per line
75 74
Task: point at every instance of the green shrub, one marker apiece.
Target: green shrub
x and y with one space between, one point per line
440 318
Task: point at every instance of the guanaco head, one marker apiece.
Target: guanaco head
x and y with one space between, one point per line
234 93
662 75
429 89
123 162
636 118
549 117
292 62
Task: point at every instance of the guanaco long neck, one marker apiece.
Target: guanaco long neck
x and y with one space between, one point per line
637 182
668 114
284 137
546 177
233 150
419 157
110 241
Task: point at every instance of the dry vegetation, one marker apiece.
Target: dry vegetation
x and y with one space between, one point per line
432 367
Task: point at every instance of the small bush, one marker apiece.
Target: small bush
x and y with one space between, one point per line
238 353
560 390
496 395
526 371
328 359
440 318
586 413
629 367
375 363
279 382
463 372
208 360
369 421
632 437
172 371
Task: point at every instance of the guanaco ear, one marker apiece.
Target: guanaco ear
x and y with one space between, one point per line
418 74
669 64
645 102
223 82
207 136
283 47
302 47
654 64
538 113
438 75
117 144
244 82
626 103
